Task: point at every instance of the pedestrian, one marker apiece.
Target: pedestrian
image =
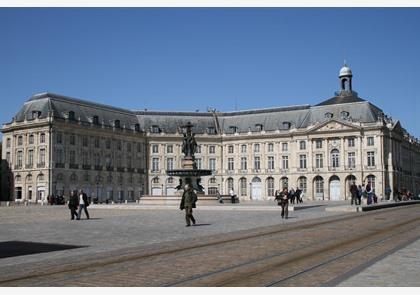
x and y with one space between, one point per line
388 192
291 195
283 199
369 193
232 196
353 191
83 204
298 196
219 197
73 204
188 200
359 195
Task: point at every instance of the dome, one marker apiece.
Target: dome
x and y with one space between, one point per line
345 71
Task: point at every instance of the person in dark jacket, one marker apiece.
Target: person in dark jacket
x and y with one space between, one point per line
83 204
73 204
353 191
291 196
189 198
283 200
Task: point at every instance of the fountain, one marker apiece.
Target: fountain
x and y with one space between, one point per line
189 174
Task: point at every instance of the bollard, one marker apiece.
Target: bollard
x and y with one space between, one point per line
112 202
8 204
126 201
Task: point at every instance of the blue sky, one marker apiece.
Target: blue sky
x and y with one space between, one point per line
227 58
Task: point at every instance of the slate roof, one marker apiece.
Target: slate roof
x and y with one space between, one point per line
168 122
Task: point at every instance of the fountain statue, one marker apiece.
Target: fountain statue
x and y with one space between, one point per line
189 174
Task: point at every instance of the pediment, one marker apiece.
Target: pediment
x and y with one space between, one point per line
333 126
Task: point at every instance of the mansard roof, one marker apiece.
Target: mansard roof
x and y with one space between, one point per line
270 119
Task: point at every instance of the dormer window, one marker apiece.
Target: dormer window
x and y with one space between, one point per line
233 129
72 116
286 125
95 120
211 130
36 114
155 129
117 124
344 115
137 127
329 115
259 127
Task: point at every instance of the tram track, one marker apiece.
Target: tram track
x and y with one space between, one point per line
283 267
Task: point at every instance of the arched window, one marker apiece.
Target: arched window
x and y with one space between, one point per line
73 178
95 120
18 178
29 178
230 184
242 186
319 185
155 180
40 177
270 187
335 158
284 182
302 183
117 124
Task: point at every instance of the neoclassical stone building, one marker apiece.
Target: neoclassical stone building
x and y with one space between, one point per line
55 144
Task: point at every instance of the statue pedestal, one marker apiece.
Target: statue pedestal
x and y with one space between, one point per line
188 163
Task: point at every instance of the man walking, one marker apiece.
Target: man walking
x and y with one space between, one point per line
353 191
283 201
83 204
189 198
73 204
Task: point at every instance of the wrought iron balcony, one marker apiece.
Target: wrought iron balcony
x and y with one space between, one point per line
40 165
74 166
59 165
86 167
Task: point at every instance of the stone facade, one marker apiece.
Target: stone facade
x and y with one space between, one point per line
56 144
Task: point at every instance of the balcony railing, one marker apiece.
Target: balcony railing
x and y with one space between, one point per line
131 170
29 166
74 166
331 168
351 168
17 167
109 168
59 165
98 167
370 167
120 169
40 165
86 167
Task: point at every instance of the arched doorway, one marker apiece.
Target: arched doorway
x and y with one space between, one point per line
319 188
256 188
335 189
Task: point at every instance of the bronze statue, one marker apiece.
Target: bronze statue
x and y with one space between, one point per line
189 145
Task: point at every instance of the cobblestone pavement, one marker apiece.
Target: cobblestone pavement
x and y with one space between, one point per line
400 269
111 229
117 233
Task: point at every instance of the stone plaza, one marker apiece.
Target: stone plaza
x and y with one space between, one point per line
115 230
